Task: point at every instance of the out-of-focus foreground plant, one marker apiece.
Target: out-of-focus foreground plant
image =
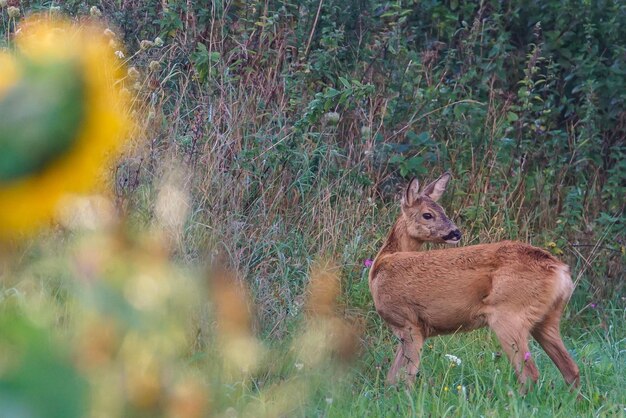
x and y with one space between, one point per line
121 330
102 322
62 118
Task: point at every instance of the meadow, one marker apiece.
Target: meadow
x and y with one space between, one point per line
223 269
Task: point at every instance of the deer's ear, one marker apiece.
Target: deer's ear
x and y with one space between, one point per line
435 189
411 194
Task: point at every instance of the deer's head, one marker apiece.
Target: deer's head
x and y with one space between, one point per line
424 218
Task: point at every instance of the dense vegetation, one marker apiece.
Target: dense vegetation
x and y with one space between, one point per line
296 123
296 104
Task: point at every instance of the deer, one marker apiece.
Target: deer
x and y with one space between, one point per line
515 289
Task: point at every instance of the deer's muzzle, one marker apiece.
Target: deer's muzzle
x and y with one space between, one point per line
453 237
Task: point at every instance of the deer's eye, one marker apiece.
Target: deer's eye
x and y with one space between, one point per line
427 216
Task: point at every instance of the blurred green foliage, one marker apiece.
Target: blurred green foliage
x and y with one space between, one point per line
38 379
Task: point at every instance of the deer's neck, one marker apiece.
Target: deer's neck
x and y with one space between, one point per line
398 240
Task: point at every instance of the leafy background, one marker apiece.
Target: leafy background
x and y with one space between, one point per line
293 125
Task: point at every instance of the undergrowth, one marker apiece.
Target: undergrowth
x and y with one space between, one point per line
292 126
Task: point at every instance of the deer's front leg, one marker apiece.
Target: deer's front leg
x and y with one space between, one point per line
407 354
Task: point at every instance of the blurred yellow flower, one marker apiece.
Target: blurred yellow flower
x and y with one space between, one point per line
62 119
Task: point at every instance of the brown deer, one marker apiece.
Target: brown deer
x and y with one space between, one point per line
514 288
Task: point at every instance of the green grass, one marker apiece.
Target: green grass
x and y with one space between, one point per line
487 383
290 380
236 119
484 383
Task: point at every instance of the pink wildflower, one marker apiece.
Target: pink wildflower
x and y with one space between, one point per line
527 356
368 263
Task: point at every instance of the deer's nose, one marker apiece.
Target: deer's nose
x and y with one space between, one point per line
453 236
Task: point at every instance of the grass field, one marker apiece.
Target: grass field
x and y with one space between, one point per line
222 271
125 314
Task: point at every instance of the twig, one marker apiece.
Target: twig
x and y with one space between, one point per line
317 16
594 245
415 119
594 254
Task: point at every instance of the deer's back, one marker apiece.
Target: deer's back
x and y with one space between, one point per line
453 289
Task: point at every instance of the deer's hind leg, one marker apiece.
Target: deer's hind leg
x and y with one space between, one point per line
548 336
407 354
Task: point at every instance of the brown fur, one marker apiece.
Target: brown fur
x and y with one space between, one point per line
514 288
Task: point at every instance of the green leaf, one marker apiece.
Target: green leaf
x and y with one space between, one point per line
214 56
511 117
331 92
345 82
